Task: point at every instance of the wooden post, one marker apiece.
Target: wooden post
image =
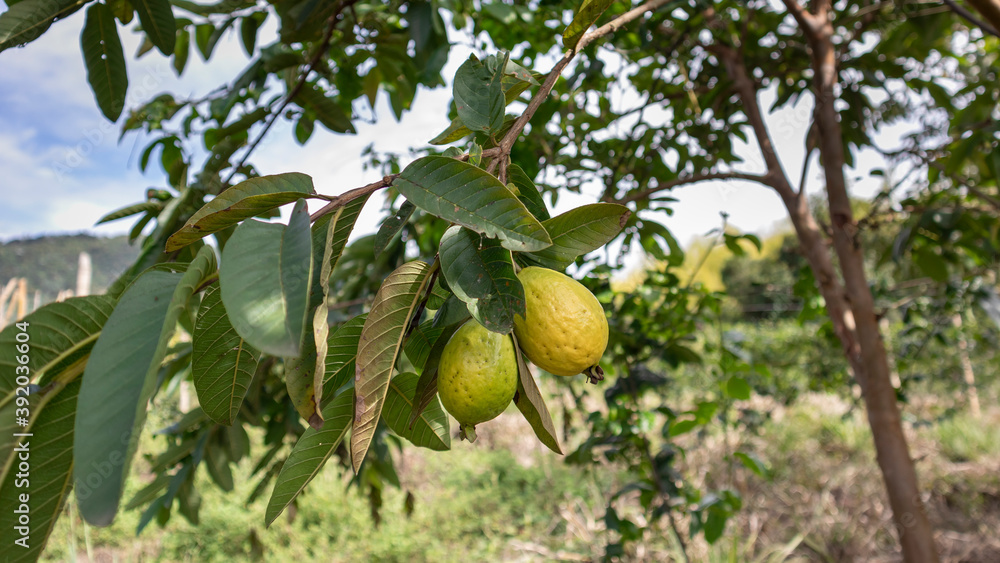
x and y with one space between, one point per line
84 275
968 375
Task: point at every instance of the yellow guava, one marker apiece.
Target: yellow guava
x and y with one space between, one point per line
477 376
564 330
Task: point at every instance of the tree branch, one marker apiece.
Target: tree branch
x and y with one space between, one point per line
385 182
691 180
751 107
962 12
507 143
317 56
990 9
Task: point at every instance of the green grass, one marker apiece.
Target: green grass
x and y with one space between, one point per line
963 438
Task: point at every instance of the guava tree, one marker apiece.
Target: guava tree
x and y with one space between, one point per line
290 325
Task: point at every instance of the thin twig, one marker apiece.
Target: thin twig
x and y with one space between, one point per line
985 27
507 143
385 182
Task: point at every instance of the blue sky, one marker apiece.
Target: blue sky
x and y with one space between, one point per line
62 167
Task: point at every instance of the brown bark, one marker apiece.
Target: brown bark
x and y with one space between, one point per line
915 532
990 9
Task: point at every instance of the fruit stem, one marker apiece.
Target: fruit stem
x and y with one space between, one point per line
467 432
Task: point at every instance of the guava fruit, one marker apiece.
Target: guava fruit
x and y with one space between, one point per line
564 330
477 376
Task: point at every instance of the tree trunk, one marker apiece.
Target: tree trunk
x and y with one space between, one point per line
915 533
851 306
968 375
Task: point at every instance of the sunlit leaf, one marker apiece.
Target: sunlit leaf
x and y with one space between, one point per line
244 200
467 195
381 340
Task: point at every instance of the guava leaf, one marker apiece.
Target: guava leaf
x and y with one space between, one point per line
51 458
529 401
391 226
265 277
310 453
478 94
124 364
242 201
158 22
431 428
426 389
381 340
222 363
579 231
585 17
469 196
105 61
330 234
25 21
481 273
342 352
528 193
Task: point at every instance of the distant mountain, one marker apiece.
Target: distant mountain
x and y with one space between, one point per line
50 262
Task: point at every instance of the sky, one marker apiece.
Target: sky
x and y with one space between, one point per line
62 165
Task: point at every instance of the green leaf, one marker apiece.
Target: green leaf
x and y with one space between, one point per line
738 388
121 366
105 60
431 428
519 72
122 10
342 351
585 17
479 96
481 273
931 264
248 30
753 463
461 193
310 453
455 131
529 401
307 372
222 363
181 50
129 210
51 460
527 192
418 345
158 22
381 340
684 426
332 232
26 21
124 364
218 467
331 115
579 231
298 267
426 389
391 226
265 276
244 200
